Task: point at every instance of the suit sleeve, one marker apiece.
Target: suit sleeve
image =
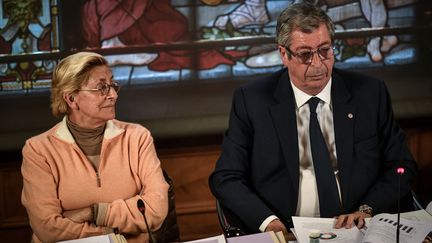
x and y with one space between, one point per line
230 182
394 153
124 214
39 196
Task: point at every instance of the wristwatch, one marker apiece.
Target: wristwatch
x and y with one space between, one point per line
366 209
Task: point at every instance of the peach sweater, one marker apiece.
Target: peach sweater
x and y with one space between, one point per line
58 176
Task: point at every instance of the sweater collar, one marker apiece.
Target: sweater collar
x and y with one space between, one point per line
63 133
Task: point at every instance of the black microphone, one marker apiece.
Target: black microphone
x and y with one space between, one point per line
141 208
400 171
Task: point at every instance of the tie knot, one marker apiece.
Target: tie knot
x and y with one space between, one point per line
313 102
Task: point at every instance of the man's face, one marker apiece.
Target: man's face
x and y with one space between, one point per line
311 77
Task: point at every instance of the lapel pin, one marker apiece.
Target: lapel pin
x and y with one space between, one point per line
350 115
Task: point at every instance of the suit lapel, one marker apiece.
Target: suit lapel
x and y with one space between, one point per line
284 120
344 117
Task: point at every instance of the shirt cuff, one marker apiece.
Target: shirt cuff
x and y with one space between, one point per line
101 213
266 222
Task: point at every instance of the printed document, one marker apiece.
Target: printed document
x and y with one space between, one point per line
303 225
413 227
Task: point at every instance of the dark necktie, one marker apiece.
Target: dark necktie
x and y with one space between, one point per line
326 182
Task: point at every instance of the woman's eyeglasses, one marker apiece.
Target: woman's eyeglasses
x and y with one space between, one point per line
305 57
104 88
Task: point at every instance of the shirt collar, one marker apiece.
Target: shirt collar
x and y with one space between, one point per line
301 97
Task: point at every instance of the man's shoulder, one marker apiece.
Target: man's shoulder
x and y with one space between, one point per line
350 76
361 87
263 83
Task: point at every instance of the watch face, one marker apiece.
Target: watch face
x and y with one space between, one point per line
365 209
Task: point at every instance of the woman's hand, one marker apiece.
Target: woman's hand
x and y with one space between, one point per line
80 215
348 220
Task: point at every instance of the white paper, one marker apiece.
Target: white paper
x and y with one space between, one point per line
295 235
263 237
213 239
92 239
303 225
382 228
429 208
109 238
419 215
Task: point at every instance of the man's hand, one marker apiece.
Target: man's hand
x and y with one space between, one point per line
348 220
276 226
80 215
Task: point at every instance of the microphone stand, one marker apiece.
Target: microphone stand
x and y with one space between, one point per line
400 171
141 208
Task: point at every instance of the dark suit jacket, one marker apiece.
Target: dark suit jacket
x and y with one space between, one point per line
257 174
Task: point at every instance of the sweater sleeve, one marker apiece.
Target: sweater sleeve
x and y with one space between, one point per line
39 197
124 214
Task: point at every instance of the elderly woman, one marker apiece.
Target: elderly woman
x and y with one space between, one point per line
84 176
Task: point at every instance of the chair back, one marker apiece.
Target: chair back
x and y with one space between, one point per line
169 231
228 230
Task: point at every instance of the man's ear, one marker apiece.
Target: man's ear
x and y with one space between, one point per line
284 55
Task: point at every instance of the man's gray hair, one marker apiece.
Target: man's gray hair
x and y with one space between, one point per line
303 16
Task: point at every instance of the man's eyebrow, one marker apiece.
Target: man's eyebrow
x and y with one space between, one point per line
311 48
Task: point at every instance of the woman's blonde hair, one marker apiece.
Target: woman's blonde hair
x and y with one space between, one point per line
69 75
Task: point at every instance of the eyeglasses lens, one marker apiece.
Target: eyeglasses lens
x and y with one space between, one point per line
105 89
324 53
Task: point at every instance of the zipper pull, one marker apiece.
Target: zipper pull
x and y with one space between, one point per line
98 179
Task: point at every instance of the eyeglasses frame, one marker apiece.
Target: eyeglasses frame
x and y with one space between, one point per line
113 85
316 51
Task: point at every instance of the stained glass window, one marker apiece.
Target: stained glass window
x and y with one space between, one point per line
166 41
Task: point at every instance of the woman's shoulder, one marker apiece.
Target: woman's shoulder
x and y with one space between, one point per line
41 141
130 127
40 138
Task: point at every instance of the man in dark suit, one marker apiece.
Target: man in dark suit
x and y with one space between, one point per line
270 170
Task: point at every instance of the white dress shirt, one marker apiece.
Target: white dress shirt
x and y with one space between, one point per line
308 203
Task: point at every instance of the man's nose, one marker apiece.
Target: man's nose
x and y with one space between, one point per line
316 60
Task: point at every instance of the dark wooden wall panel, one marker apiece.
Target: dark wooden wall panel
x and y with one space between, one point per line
190 168
195 205
14 226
